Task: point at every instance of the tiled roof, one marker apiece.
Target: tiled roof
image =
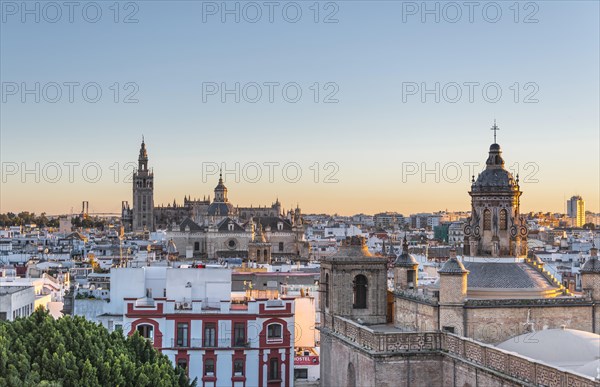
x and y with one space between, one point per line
505 276
224 225
187 222
592 265
272 221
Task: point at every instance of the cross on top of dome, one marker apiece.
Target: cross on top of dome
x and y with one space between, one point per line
495 128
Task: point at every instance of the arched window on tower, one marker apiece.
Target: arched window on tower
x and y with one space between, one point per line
503 219
360 292
487 219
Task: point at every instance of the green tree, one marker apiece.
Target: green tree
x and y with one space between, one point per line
72 351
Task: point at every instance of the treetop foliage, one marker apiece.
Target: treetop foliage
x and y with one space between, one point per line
71 351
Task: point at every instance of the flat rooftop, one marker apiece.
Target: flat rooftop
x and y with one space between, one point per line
12 289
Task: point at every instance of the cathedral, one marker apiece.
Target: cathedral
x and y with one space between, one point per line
405 334
214 229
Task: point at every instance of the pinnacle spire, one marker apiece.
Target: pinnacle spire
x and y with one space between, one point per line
495 128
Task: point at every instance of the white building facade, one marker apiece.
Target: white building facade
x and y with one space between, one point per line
189 315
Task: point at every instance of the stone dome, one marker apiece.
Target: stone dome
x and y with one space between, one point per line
591 369
405 259
453 266
592 265
220 209
495 177
354 249
566 348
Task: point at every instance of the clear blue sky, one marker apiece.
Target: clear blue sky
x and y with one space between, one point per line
370 133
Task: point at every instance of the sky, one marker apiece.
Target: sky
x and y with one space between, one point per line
338 107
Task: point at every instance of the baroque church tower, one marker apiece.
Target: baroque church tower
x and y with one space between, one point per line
143 194
496 227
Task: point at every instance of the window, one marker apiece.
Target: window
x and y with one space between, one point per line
209 367
265 255
300 373
182 363
280 246
487 219
448 329
146 331
360 292
258 254
410 276
182 334
196 246
210 335
239 334
238 367
274 332
503 222
274 369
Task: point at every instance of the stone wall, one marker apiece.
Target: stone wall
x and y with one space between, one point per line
494 321
356 355
497 324
502 367
415 315
453 288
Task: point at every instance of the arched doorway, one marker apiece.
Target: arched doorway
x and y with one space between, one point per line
351 375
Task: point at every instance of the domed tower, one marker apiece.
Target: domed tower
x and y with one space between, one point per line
495 227
405 269
221 191
590 275
220 208
453 293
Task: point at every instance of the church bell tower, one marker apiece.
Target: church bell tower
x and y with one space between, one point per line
143 194
496 227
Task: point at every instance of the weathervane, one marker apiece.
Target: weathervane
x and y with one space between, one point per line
495 128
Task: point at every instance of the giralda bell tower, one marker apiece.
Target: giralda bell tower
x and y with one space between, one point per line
143 194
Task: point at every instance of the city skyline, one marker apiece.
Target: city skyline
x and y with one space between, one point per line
413 173
171 84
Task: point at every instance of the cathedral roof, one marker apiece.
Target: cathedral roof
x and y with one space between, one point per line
453 266
220 209
187 222
223 226
272 221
